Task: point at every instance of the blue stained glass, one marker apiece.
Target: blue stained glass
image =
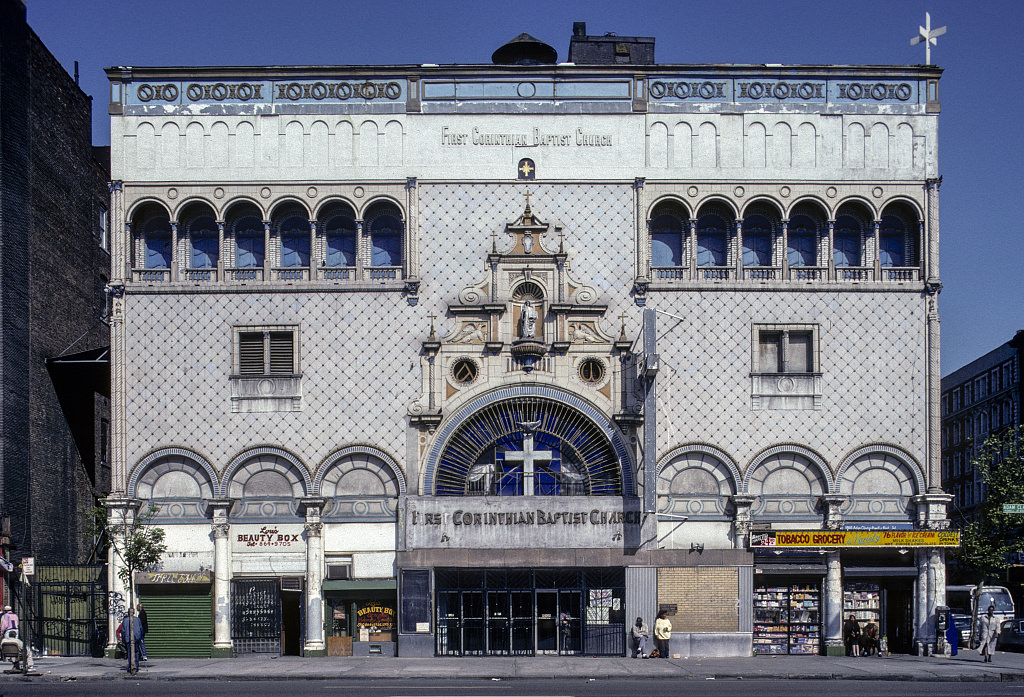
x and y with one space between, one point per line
340 232
891 235
666 250
711 240
890 250
204 244
386 241
158 250
294 242
802 249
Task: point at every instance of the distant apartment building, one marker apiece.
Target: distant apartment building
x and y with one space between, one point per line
54 266
979 399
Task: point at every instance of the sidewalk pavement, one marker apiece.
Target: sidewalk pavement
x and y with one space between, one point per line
966 667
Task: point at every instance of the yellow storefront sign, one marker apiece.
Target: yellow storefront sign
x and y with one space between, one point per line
856 538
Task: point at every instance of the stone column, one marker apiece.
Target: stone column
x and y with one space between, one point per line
833 505
936 591
120 511
741 503
923 639
221 530
314 644
833 605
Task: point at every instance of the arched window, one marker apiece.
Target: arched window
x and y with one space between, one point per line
667 233
292 225
757 241
384 222
892 234
802 247
246 229
712 240
156 231
338 226
201 229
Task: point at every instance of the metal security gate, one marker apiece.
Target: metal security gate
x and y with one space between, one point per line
526 612
180 621
256 616
69 609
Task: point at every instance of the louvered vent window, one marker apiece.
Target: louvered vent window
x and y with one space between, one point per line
250 353
281 353
266 353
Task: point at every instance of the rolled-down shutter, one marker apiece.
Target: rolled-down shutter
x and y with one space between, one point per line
180 622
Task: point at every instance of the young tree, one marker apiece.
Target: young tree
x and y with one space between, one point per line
136 542
988 543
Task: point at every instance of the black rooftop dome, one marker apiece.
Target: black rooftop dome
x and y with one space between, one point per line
525 50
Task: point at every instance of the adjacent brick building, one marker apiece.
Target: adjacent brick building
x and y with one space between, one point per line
54 265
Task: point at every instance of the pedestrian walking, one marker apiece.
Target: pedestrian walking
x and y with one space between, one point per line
662 633
131 633
639 634
851 635
988 632
145 630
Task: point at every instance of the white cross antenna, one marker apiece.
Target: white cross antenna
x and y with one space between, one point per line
928 36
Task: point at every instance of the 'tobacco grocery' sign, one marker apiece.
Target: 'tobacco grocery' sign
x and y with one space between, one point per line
856 538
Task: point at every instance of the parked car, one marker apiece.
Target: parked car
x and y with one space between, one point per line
1011 636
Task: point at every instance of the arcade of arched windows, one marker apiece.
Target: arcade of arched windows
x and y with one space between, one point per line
286 242
716 241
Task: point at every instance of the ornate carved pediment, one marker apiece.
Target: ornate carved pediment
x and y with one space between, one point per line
526 312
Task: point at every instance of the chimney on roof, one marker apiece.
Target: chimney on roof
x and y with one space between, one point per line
609 49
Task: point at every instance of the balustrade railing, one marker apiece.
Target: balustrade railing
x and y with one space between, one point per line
762 273
854 273
293 273
900 274
200 275
671 273
384 273
254 273
151 275
808 273
715 273
337 273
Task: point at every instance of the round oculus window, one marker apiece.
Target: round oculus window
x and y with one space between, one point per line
591 370
464 371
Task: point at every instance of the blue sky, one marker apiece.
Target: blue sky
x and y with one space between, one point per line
980 138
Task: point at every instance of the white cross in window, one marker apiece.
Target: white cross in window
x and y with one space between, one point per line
529 457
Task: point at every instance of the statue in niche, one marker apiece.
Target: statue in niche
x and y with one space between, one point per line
528 321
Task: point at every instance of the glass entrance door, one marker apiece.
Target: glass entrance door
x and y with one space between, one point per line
498 623
522 623
547 622
569 622
474 635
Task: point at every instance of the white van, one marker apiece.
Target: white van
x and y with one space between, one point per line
962 601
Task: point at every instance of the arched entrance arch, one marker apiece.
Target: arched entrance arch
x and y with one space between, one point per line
528 440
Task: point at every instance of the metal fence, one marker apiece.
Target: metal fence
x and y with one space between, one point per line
69 609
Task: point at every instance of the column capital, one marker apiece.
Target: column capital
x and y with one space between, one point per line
313 529
221 530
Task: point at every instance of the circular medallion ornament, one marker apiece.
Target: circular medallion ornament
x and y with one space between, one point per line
785 192
786 507
464 371
591 370
265 192
172 194
359 192
526 89
877 192
831 192
786 385
311 192
218 193
739 191
692 191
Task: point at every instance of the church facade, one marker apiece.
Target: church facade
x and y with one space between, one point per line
494 359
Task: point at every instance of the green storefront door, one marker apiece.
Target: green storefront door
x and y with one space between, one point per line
180 621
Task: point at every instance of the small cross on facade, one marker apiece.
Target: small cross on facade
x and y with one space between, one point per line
928 36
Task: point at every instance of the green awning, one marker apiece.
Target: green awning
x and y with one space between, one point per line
387 584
